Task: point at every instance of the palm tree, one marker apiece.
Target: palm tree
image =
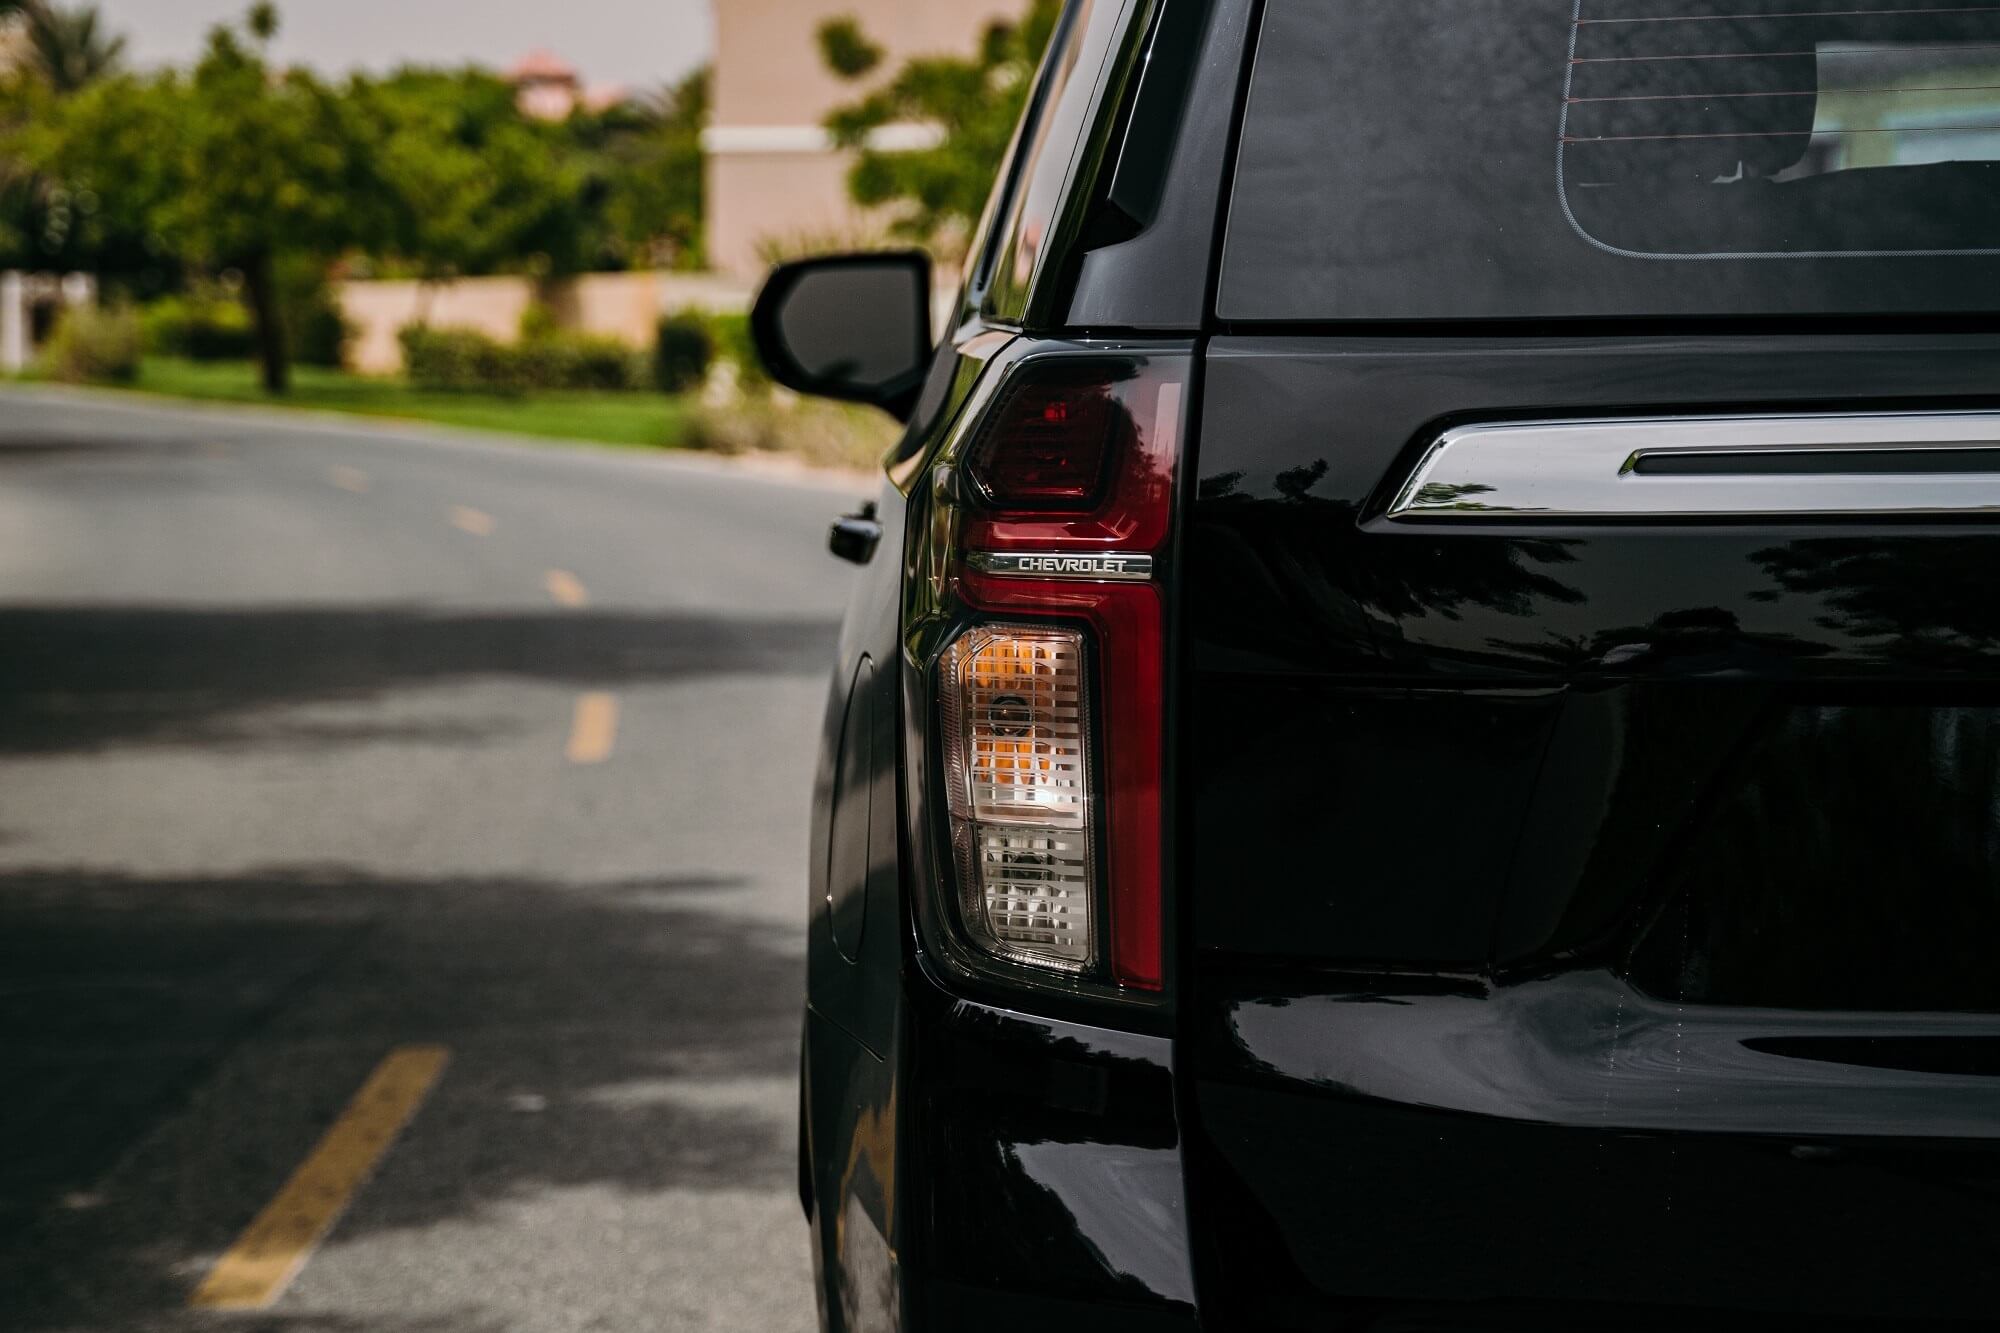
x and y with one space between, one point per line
69 48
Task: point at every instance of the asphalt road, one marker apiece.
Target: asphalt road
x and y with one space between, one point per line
321 741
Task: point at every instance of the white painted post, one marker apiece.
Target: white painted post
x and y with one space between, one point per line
13 323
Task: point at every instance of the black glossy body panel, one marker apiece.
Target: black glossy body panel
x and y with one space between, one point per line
1046 1175
1575 926
854 951
1157 278
1589 921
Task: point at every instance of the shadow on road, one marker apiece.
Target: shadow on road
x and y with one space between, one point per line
608 1034
56 448
80 678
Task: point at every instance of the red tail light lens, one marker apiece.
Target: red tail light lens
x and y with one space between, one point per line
1045 444
1077 459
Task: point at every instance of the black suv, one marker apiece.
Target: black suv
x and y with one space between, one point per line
1419 742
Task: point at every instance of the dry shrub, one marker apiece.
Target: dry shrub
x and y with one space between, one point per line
820 433
92 345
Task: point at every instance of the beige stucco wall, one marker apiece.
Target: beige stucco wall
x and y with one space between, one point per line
768 69
771 82
378 310
626 306
784 199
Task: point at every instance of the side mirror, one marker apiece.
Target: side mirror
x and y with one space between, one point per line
854 327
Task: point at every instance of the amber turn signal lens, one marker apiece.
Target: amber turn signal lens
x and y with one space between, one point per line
1017 766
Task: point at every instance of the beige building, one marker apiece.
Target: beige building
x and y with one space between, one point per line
773 177
547 87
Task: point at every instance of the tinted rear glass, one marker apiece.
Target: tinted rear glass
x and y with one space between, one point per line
1489 159
1050 134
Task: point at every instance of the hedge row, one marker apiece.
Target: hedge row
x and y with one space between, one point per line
462 359
201 330
685 346
204 328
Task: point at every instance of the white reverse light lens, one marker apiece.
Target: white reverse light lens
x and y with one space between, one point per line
1017 769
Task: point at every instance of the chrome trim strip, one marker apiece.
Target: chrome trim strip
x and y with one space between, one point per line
1098 566
1593 469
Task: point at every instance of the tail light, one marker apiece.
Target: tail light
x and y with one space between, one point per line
1052 701
1015 723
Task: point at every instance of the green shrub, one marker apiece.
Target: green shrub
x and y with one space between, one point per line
92 345
545 363
466 359
682 352
205 326
538 322
318 333
592 361
201 328
460 360
734 343
580 361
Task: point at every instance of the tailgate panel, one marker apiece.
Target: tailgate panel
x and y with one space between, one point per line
1589 921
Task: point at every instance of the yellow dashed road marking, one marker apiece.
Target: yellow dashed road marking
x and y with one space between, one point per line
349 479
595 729
566 588
271 1251
474 521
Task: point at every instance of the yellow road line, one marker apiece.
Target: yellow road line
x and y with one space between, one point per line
474 521
594 730
349 479
566 588
275 1246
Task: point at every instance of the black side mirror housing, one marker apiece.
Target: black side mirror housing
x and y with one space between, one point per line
855 327
855 536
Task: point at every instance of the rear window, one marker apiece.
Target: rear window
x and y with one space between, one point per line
1050 133
1491 159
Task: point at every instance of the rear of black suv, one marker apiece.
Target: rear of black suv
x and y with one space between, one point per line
1420 743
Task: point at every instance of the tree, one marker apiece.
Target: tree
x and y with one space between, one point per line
20 220
231 168
469 185
462 182
237 169
647 156
43 223
267 168
936 193
68 48
846 49
80 177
